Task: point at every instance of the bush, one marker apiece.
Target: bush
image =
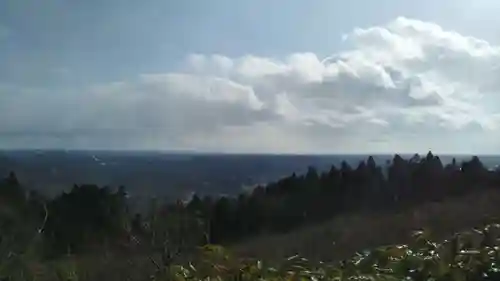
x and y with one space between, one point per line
473 255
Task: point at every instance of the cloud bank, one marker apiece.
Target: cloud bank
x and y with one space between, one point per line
403 86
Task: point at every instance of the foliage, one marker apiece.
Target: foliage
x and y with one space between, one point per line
471 255
294 201
62 237
85 217
89 216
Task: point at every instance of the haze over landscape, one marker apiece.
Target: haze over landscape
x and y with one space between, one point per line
250 76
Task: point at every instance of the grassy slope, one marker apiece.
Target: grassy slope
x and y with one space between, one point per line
357 232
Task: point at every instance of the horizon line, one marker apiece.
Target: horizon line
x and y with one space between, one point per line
195 152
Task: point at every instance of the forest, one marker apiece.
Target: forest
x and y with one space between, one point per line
90 220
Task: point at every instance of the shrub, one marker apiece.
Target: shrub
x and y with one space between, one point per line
473 255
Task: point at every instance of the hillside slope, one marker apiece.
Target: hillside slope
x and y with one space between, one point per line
343 236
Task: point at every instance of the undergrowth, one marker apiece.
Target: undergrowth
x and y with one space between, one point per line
472 255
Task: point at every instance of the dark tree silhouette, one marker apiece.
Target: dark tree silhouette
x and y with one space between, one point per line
90 217
297 200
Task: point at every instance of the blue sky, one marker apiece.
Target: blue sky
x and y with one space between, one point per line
64 50
108 40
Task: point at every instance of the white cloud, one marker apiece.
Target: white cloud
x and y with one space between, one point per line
407 85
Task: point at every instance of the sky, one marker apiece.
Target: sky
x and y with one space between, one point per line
260 76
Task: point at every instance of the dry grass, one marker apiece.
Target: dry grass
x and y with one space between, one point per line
341 237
